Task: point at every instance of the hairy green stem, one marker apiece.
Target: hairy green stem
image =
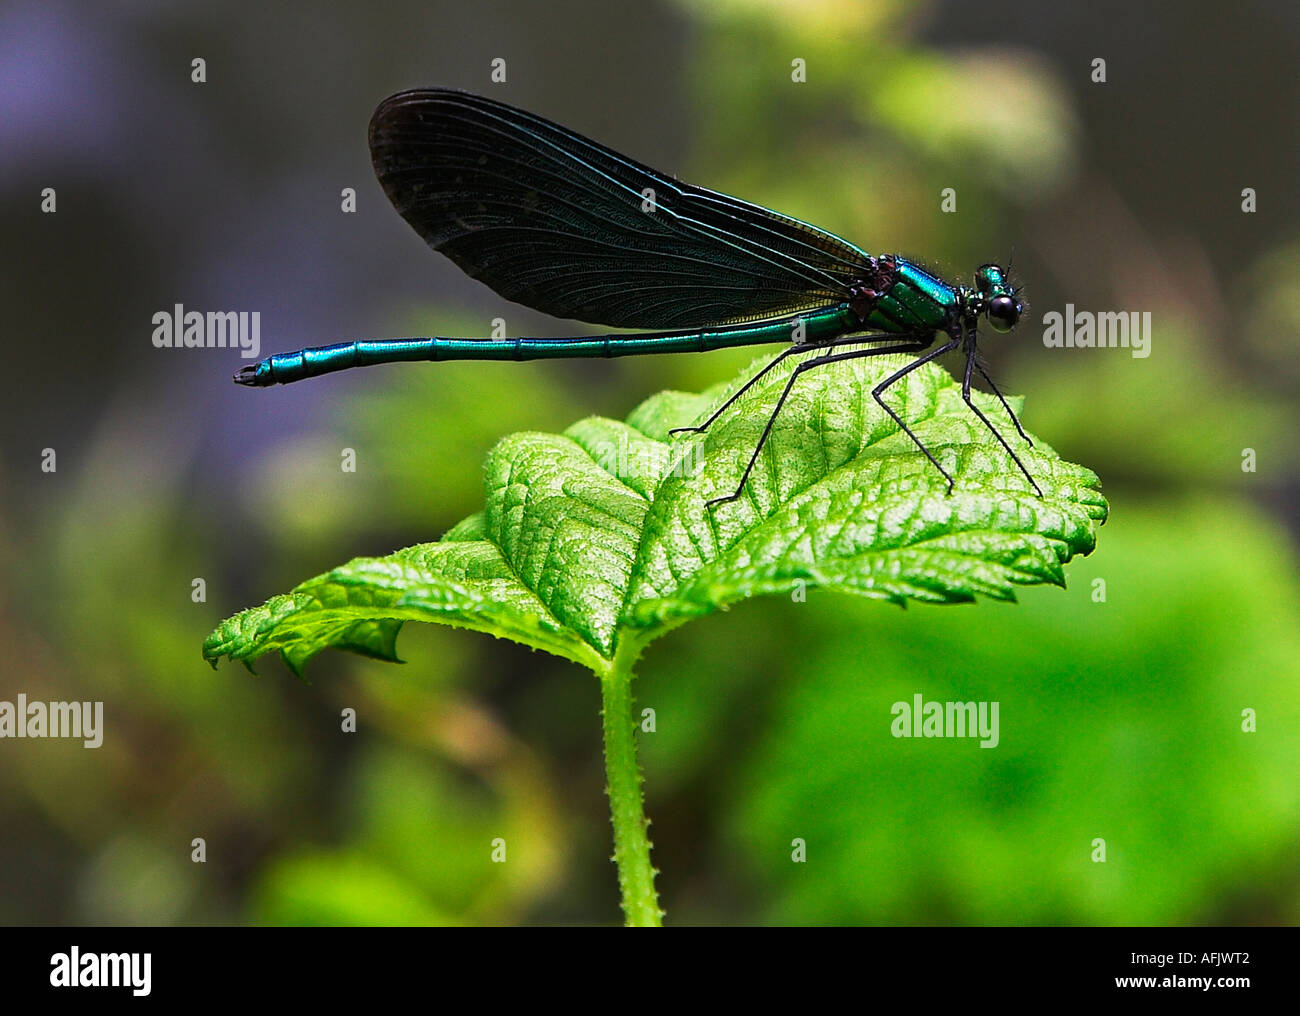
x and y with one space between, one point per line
636 876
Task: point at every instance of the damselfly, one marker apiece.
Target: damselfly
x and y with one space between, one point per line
557 222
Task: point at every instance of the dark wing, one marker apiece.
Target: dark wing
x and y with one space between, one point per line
557 222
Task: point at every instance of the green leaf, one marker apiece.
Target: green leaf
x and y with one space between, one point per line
598 539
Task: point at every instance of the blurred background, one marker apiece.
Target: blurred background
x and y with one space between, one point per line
1120 719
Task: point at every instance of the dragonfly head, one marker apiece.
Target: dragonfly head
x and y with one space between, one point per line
996 298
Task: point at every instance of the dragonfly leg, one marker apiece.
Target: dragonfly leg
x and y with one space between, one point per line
880 389
965 394
1028 440
817 361
779 358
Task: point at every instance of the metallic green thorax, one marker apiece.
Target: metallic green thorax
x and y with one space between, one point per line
916 301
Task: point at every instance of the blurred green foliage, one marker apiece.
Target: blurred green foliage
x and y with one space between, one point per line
1120 719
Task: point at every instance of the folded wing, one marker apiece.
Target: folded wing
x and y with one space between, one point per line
562 224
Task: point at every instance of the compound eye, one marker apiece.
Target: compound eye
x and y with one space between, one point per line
1003 312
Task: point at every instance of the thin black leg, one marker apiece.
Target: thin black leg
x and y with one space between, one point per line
965 394
879 390
1028 440
818 361
779 358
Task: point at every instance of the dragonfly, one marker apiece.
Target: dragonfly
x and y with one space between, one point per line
555 221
